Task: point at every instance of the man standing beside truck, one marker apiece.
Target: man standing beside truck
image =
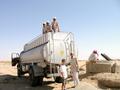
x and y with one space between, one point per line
74 69
63 72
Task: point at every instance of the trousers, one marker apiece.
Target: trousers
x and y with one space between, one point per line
75 78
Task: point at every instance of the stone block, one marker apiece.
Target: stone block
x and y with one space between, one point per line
99 67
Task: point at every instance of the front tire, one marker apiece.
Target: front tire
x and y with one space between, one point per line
19 70
41 80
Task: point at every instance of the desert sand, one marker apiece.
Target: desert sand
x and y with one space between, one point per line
10 81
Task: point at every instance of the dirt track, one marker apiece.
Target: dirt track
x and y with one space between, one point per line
10 81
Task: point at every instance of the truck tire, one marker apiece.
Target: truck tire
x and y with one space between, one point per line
34 80
41 80
19 70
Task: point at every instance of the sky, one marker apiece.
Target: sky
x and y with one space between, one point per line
95 24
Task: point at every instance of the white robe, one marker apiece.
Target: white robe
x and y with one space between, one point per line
74 71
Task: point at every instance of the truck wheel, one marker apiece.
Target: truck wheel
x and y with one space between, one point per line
34 80
41 80
19 70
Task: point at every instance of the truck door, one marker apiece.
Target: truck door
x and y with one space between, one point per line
15 58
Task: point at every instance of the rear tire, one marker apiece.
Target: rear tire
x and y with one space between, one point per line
34 80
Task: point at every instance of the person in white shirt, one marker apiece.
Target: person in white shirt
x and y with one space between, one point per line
63 72
55 25
94 56
74 69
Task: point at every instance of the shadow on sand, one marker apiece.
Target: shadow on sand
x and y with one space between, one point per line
86 75
9 82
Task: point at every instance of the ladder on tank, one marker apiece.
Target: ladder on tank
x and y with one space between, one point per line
52 66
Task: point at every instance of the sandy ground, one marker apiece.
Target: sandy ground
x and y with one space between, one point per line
10 81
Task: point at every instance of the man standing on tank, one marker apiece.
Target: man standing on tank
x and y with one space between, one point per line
44 28
55 25
48 27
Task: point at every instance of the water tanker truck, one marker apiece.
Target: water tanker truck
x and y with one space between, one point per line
41 57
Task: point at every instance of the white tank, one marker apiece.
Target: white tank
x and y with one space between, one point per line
52 47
